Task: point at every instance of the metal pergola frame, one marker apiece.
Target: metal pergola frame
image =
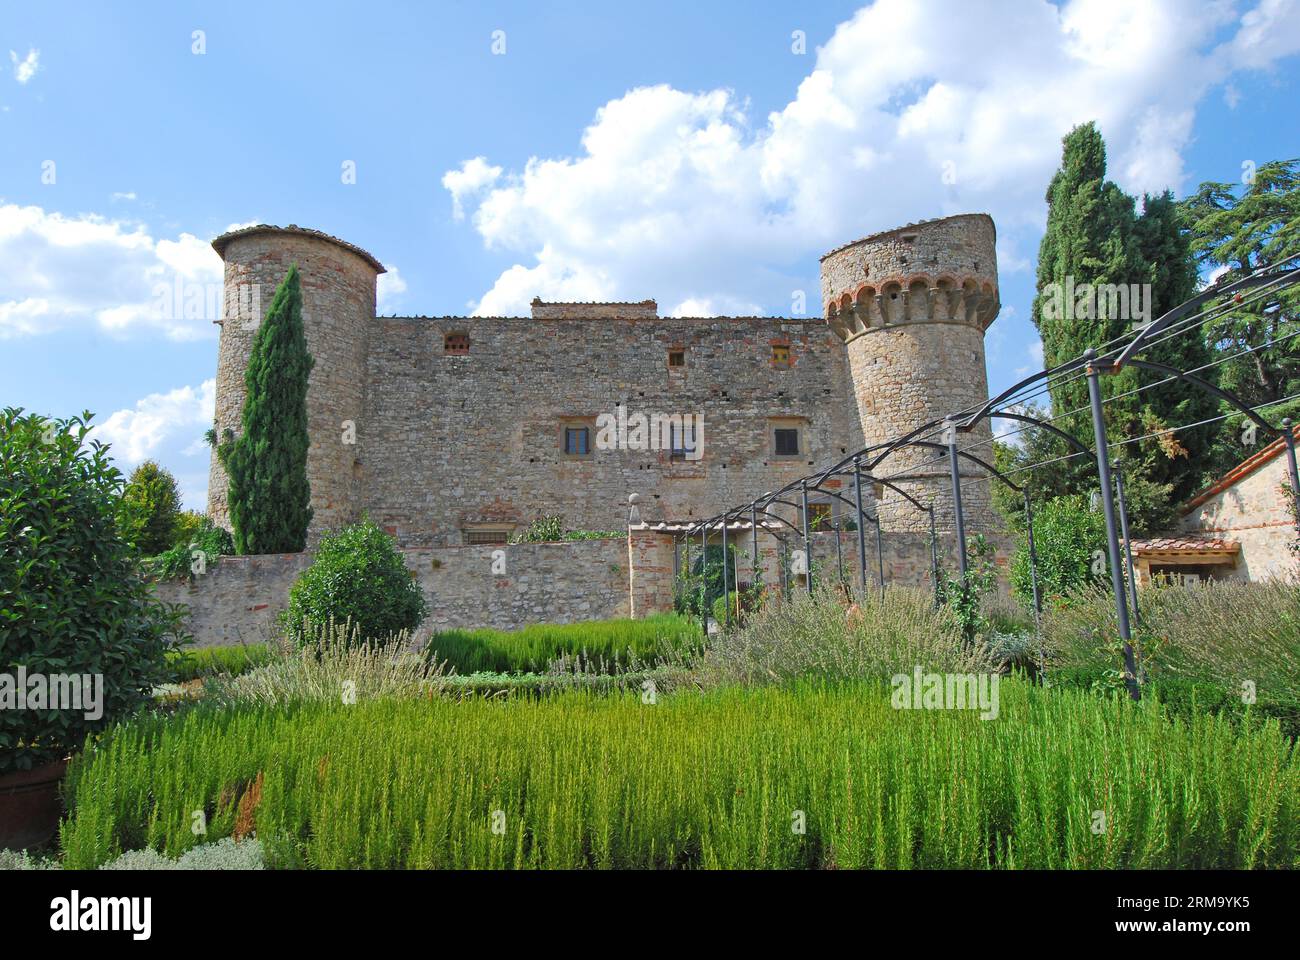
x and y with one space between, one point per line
1093 366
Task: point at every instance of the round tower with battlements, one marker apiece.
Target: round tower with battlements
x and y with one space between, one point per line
912 306
338 303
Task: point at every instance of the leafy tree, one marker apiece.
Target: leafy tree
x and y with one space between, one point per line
72 600
269 496
150 509
1067 536
1234 231
357 577
188 525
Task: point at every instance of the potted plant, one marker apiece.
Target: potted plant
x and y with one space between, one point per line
83 641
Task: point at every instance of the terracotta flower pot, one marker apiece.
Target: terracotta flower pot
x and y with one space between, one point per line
30 806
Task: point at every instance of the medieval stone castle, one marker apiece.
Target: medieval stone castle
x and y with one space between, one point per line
461 430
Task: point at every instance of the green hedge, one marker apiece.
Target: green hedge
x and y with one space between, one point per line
191 664
607 644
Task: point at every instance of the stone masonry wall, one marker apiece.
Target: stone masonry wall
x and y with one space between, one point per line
448 441
238 599
1255 512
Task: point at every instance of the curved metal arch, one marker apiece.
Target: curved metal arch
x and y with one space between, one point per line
776 516
902 441
1208 387
1287 277
1069 438
993 471
1006 394
853 507
923 507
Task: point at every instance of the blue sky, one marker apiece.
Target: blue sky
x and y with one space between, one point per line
691 152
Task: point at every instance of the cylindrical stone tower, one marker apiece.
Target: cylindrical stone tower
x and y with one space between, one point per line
911 306
338 305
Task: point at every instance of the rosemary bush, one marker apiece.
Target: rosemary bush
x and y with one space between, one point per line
711 779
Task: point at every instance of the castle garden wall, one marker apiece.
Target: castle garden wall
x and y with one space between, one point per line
238 599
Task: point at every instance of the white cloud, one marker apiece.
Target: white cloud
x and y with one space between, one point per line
25 67
473 177
128 195
389 289
685 197
64 272
157 421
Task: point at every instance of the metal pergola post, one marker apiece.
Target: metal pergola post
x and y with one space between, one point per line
1033 579
726 593
704 582
862 533
934 558
880 554
950 431
1130 570
839 553
1288 437
807 542
1112 533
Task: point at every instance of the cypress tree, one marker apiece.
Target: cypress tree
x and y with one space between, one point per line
269 497
1171 271
1089 240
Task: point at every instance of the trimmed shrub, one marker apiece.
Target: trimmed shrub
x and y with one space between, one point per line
72 601
357 578
612 645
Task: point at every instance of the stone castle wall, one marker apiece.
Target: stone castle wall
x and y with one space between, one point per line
452 440
445 440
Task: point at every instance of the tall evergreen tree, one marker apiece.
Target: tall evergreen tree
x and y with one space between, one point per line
1090 240
1093 252
269 495
1174 459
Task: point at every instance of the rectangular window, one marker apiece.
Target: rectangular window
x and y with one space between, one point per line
487 535
780 355
676 358
682 440
577 441
787 441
